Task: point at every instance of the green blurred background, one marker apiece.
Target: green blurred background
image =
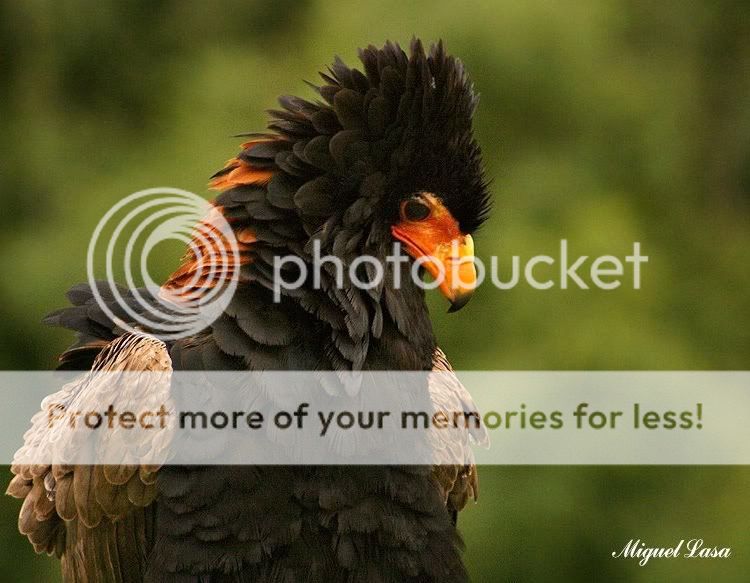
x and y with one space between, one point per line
603 122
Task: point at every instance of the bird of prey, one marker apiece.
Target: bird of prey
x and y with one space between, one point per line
384 154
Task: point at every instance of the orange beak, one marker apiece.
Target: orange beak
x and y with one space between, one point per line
449 262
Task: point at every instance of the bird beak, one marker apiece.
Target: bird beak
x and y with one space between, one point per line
450 262
460 279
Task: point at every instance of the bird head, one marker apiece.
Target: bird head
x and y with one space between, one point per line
385 155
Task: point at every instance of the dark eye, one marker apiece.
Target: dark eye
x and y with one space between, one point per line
415 210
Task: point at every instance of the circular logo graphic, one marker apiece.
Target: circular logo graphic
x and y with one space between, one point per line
142 221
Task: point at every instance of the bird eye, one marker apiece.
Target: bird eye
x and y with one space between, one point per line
415 210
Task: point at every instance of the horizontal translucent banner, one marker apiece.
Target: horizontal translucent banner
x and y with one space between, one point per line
387 417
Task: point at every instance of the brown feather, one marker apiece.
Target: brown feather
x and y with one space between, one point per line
64 498
26 519
19 487
89 512
119 475
139 493
44 506
112 498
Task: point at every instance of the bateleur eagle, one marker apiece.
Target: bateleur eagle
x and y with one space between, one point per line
386 154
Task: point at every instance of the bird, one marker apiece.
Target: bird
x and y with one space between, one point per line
384 154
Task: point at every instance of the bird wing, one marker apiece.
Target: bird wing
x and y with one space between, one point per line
97 518
457 483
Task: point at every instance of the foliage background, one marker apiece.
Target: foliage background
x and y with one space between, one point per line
602 121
